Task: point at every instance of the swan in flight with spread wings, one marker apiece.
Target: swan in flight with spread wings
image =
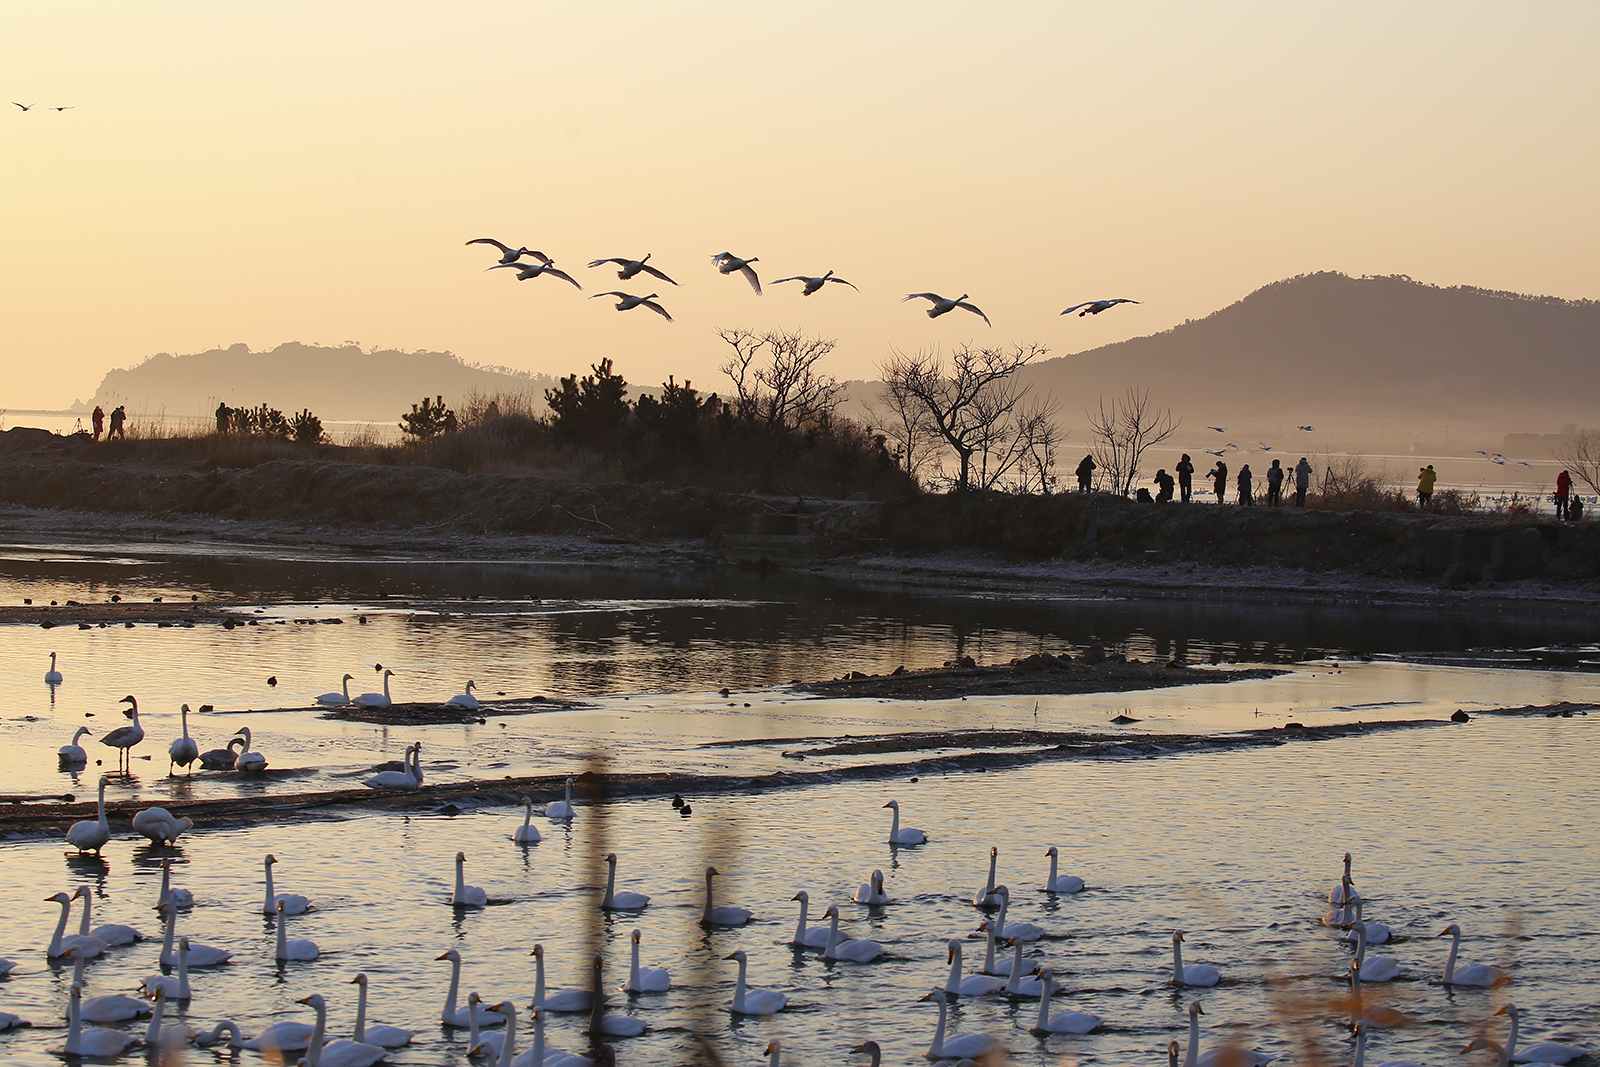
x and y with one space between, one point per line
533 270
943 304
631 267
627 302
813 284
507 253
727 263
1094 307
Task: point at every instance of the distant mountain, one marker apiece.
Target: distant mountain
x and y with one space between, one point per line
1329 345
335 383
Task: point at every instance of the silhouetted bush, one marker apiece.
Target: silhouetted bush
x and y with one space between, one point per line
429 419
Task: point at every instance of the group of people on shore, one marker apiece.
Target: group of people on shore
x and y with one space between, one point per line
119 418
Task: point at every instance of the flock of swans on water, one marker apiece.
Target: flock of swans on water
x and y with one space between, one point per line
539 265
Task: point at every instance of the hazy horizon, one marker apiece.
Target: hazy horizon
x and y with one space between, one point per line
311 172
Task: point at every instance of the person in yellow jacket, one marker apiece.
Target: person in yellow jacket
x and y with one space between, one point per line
1425 479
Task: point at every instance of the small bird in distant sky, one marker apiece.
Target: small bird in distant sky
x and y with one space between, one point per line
67 107
1215 451
1524 463
26 107
1482 453
507 253
1233 446
1307 428
1264 446
1094 307
1219 429
813 284
943 304
631 267
1498 459
727 263
533 270
628 302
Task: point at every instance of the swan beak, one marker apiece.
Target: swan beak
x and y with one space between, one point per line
949 957
925 996
1199 1010
1504 1010
1442 933
357 979
446 955
731 956
304 1000
890 805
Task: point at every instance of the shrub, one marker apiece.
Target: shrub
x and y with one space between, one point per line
306 427
429 419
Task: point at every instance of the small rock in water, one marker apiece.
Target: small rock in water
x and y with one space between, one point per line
272 680
723 693
1460 716
1123 720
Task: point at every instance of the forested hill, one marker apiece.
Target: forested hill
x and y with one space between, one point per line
335 383
1327 344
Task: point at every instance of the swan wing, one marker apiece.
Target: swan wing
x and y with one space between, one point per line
559 273
648 269
749 273
935 297
657 308
507 249
974 309
841 281
1075 307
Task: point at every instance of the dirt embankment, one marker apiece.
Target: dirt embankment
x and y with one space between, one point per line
41 470
1042 673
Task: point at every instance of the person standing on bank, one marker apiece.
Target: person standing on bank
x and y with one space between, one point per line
1245 478
1164 480
1425 479
1185 470
118 417
99 420
223 412
1302 482
1219 480
1085 473
1274 484
1563 493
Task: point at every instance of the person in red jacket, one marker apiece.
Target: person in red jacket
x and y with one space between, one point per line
1563 493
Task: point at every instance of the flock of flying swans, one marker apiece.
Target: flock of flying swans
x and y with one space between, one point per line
539 264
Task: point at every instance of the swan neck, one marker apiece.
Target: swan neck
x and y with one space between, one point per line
1193 1052
455 987
738 988
833 936
953 984
152 1035
508 1046
1177 960
314 1050
538 984
1361 1048
1044 1001
937 1050
61 928
361 1012
988 951
1511 1040
83 927
1450 960
1054 858
633 967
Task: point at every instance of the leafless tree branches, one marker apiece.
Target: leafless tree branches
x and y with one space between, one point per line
1580 454
775 377
1123 431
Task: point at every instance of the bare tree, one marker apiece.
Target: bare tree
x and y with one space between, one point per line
908 428
974 407
1123 432
775 377
1580 454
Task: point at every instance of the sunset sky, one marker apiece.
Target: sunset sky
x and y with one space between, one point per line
309 171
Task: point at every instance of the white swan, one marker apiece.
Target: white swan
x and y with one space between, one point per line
623 901
124 738
8 1021
749 1001
943 304
464 700
252 762
64 944
541 1055
1474 974
161 1036
405 779
214 1035
529 271
527 833
1361 1052
1063 1022
339 699
957 1046
160 825
1344 892
183 751
986 897
90 835
561 809
909 836
73 753
111 935
814 283
52 676
990 964
1195 974
221 759
870 1049
628 301
1226 1056
287 1036
972 985
723 916
774 1053
1060 883
1377 933
507 253
604 1023
95 1042
1344 913
454 1016
1541 1052
564 1000
1094 307
727 263
175 987
338 1052
862 951
301 951
281 903
484 1044
804 936
466 896
871 891
1024 931
1021 983
375 700
385 1036
199 955
1379 1015
178 898
645 979
111 1008
1378 968
631 267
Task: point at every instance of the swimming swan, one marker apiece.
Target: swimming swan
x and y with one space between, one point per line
1064 1022
909 836
1379 1015
405 779
527 833
862 951
986 897
871 891
1021 983
466 896
284 903
1025 931
1377 933
957 1046
1226 1056
1061 883
300 950
1344 892
63 944
385 1036
52 676
724 916
1474 974
375 700
454 1016
804 936
1543 1051
623 901
111 1008
561 809
178 898
111 935
73 753
176 988
95 1042
199 955
603 1023
645 979
748 1001
1195 974
990 965
183 751
972 985
464 700
562 999
338 1052
1378 968
339 699
90 835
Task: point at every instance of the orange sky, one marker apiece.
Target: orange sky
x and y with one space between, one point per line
299 171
